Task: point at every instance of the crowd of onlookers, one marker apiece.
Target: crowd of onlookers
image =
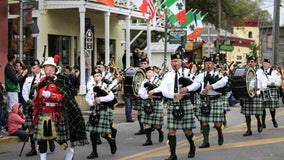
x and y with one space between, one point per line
12 102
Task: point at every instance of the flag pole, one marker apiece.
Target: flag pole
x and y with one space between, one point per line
166 34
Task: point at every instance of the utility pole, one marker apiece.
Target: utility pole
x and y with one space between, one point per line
275 32
218 29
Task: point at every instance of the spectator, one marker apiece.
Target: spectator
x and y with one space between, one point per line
12 81
136 57
15 121
1 109
20 69
74 77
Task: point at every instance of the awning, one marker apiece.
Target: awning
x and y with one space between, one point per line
160 47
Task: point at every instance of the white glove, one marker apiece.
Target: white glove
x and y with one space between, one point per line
45 94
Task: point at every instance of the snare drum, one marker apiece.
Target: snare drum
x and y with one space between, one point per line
243 81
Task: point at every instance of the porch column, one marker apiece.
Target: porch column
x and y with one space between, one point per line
127 40
149 54
82 11
107 53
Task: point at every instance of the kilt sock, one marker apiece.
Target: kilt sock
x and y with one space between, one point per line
272 113
42 146
248 122
192 146
205 132
140 123
93 137
172 143
148 132
263 117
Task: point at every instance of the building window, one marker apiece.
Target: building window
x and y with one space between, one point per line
58 44
239 57
250 34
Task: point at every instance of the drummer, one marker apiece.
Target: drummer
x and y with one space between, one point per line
274 81
253 106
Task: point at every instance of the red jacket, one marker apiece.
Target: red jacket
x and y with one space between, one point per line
15 121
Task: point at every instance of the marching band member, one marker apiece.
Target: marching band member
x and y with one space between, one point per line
212 106
151 109
274 81
180 111
28 93
253 106
103 124
56 112
137 102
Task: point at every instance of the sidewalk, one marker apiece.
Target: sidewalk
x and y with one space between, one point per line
119 117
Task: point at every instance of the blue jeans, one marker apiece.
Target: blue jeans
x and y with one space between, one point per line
21 133
128 107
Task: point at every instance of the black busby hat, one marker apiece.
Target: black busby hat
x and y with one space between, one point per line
144 60
208 59
100 63
251 58
175 56
266 60
34 62
97 71
149 68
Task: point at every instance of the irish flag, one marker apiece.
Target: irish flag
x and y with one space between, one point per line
177 8
107 2
142 5
193 24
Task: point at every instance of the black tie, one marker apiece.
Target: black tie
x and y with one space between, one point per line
176 83
32 88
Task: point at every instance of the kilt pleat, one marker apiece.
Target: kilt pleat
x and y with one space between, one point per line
137 103
61 127
29 120
104 123
155 118
274 103
252 106
188 121
216 113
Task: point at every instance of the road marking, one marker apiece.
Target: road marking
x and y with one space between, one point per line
183 146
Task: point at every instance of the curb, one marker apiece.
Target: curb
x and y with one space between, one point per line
9 139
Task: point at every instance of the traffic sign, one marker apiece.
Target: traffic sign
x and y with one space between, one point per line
177 37
89 40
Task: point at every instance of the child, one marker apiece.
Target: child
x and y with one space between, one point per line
15 121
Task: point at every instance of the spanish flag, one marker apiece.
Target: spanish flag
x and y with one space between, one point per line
107 2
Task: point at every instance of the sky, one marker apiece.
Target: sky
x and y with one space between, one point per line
269 5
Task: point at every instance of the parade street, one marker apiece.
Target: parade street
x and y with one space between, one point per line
268 145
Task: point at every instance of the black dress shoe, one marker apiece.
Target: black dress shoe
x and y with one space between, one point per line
248 133
275 124
93 155
148 143
51 145
140 132
113 147
99 141
130 120
172 157
191 153
161 136
204 145
31 153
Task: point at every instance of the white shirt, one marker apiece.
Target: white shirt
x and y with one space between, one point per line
27 85
90 96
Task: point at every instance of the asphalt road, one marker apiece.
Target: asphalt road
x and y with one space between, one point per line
268 145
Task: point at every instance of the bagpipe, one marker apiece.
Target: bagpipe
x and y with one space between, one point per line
186 82
98 92
214 79
150 86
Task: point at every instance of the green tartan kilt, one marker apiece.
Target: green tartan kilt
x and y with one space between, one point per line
155 118
252 106
188 121
226 103
29 120
274 103
216 113
104 123
62 128
136 104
